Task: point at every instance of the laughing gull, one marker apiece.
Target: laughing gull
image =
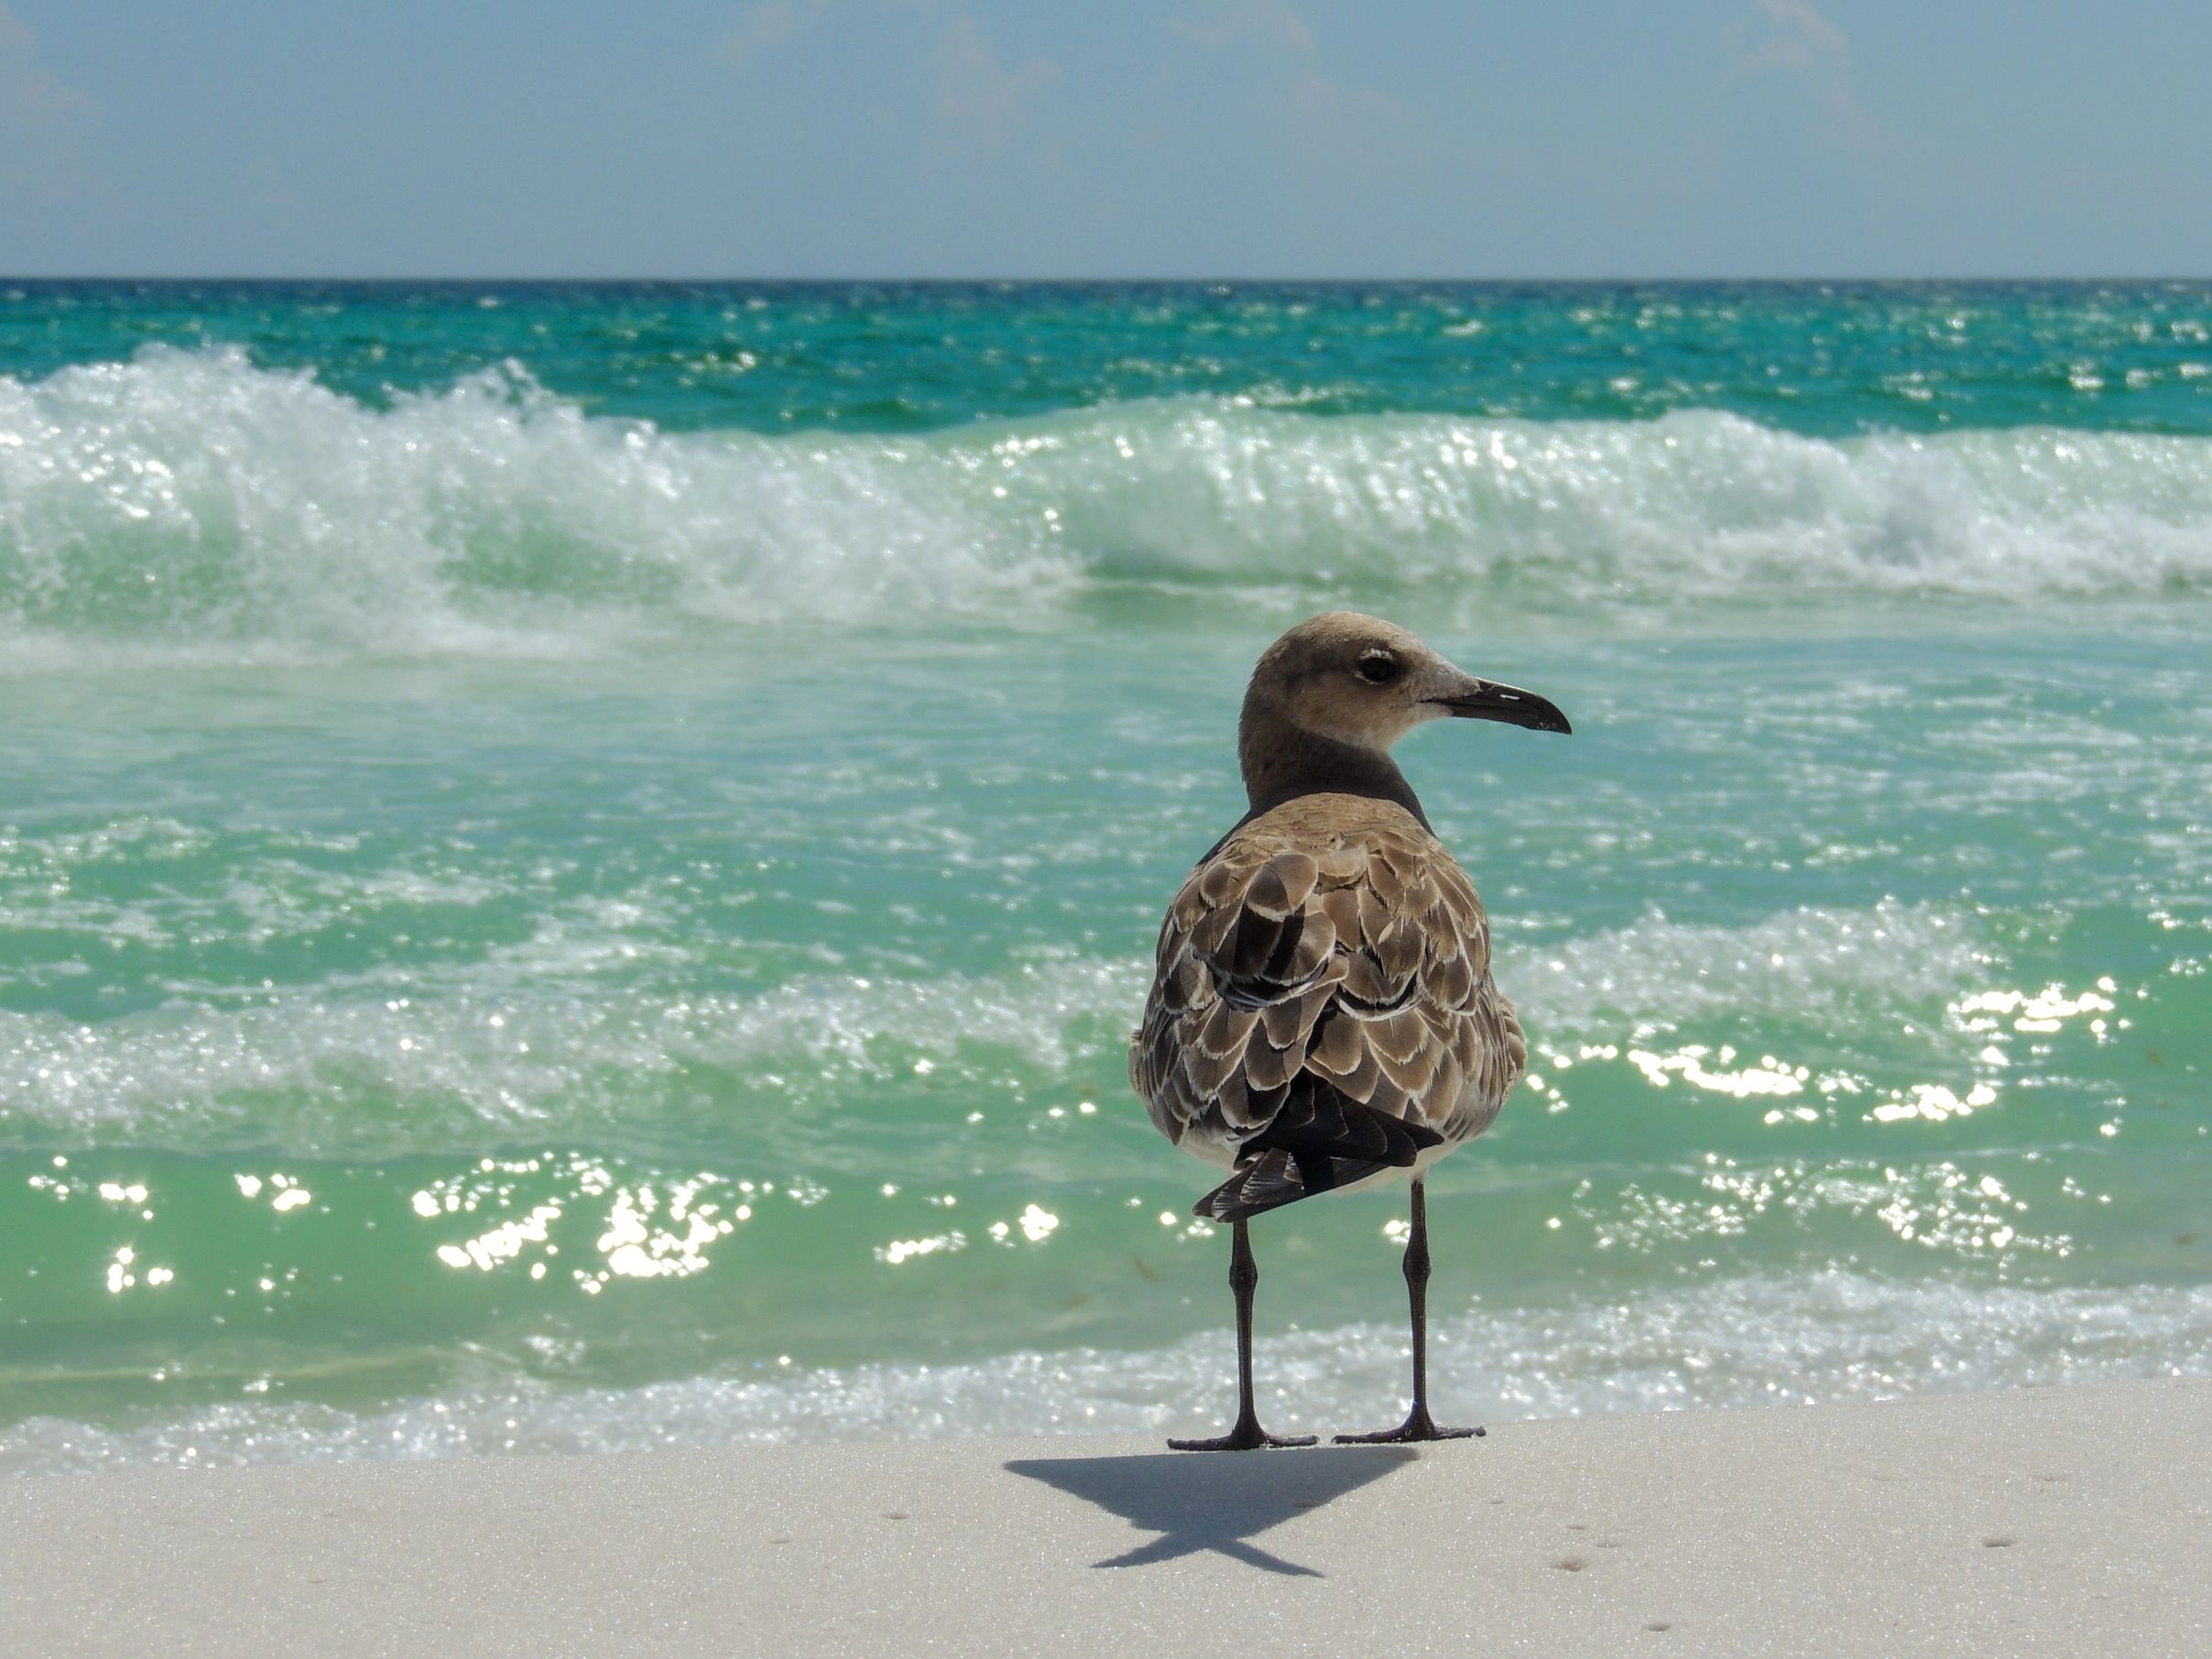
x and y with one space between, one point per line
1322 1014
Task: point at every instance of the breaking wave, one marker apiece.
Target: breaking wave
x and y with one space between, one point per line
191 503
1817 1338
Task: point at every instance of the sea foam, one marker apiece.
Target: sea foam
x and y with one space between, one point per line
192 502
1820 1336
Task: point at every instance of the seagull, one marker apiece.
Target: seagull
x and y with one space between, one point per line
1322 1014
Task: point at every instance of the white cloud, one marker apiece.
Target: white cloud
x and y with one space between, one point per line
1795 38
979 98
1247 22
1279 50
760 29
975 101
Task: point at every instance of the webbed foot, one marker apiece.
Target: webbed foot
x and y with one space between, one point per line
1246 1437
1418 1426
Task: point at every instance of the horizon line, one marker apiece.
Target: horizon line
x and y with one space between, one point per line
1161 281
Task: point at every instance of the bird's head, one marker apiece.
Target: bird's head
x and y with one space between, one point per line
1363 682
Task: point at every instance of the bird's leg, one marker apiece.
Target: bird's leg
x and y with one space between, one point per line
1244 1278
1419 1424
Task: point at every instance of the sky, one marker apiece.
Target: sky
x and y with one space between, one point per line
1601 139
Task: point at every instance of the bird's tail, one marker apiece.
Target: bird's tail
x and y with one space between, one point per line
1320 1139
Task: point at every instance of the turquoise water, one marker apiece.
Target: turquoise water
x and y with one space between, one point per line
576 861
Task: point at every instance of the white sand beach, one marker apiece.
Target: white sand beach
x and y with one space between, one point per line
2073 1521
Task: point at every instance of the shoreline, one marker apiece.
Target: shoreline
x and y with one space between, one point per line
2047 1521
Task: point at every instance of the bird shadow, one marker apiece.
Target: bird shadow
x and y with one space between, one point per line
1213 1500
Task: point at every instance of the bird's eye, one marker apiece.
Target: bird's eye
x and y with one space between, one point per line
1377 668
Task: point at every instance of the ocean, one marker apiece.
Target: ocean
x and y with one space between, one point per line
576 860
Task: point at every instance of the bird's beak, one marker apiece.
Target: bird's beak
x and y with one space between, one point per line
1487 700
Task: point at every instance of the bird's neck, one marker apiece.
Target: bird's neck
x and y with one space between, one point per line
1282 763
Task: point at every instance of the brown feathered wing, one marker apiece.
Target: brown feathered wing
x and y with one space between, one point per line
1323 1008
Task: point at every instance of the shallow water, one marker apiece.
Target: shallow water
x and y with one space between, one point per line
545 909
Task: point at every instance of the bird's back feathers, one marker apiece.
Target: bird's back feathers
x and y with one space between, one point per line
1322 1008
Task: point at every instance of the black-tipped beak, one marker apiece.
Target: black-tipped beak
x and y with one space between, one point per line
1488 700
